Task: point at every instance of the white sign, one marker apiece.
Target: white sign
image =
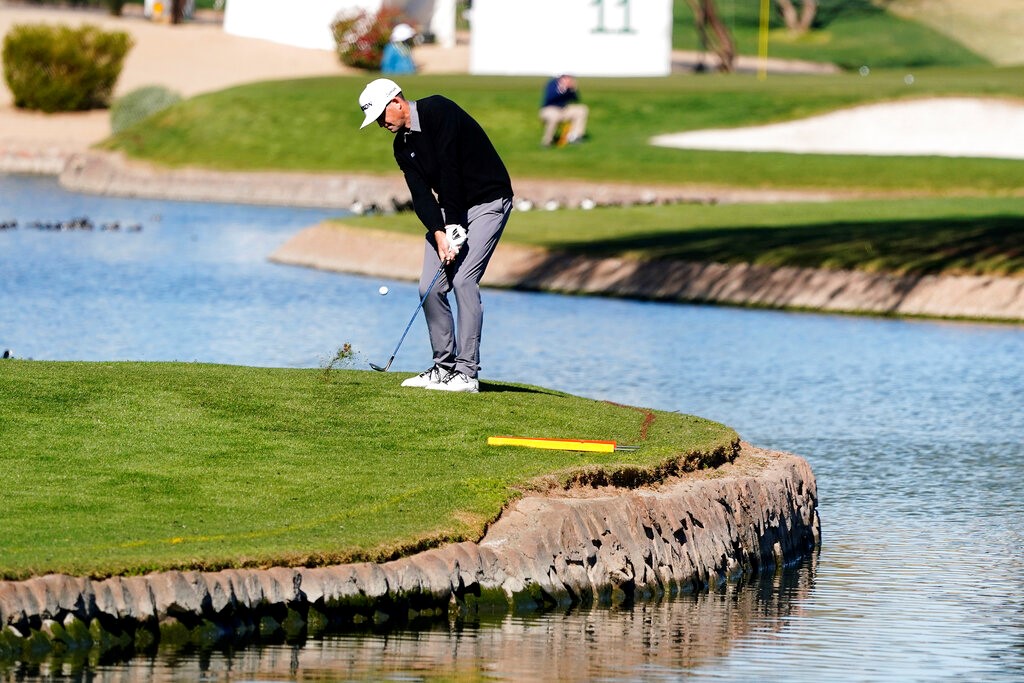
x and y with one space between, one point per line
301 24
308 23
580 37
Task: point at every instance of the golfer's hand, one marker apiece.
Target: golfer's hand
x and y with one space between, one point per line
456 235
444 249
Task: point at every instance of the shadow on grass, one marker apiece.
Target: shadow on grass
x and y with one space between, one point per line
992 245
494 387
830 10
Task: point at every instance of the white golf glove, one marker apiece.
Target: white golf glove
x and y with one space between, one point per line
456 235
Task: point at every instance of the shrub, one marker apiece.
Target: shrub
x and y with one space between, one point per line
360 38
58 68
139 104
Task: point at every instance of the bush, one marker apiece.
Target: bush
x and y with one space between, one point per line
58 68
139 104
360 38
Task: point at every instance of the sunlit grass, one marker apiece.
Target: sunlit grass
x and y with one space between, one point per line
129 467
849 33
313 125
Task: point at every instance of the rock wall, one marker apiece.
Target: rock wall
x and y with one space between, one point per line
583 546
382 254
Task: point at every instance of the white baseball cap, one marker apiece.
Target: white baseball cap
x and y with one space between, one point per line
375 97
402 33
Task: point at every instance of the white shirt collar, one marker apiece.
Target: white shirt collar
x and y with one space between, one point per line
414 118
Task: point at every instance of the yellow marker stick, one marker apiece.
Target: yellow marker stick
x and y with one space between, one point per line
553 444
762 42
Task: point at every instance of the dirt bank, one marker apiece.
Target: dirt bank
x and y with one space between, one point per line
113 174
338 248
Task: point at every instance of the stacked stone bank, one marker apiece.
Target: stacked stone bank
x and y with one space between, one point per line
585 546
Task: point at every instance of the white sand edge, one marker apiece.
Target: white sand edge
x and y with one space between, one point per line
947 126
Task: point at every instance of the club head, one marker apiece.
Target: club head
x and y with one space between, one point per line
382 369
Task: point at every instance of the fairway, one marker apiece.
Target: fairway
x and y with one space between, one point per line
124 468
992 28
299 126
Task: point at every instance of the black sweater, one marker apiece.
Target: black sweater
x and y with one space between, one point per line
449 155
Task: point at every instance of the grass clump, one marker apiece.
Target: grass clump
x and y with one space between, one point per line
114 468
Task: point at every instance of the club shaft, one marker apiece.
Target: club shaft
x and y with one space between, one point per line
416 312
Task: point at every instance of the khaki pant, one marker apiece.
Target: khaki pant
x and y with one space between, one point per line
574 114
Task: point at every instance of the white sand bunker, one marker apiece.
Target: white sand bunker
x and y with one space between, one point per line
955 127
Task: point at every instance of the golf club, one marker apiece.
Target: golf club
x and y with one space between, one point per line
414 313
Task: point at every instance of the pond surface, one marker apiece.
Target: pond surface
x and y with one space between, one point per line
915 431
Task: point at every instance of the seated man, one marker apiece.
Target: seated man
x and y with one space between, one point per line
561 104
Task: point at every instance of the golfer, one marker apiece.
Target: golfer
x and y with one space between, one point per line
462 194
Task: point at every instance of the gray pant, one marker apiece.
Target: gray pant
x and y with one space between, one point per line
458 348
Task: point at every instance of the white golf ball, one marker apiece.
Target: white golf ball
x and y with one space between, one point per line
383 290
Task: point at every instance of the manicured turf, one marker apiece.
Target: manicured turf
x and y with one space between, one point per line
849 33
991 28
126 467
313 125
921 236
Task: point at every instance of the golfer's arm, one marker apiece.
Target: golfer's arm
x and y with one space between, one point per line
450 191
424 202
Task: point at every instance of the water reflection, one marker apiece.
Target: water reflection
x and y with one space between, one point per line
659 640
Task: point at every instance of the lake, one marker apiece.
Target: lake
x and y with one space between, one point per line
914 429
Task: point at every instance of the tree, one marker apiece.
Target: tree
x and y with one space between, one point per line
714 35
177 11
798 21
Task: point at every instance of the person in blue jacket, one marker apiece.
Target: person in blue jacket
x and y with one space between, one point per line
561 105
397 56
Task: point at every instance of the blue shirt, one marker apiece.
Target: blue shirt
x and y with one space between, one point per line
397 59
556 97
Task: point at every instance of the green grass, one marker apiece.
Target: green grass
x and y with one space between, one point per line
992 28
114 468
918 237
848 33
312 125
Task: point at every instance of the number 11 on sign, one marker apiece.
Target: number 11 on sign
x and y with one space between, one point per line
624 27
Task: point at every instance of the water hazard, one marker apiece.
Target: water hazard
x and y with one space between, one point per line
915 431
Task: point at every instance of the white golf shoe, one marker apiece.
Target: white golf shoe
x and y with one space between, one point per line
428 377
457 381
